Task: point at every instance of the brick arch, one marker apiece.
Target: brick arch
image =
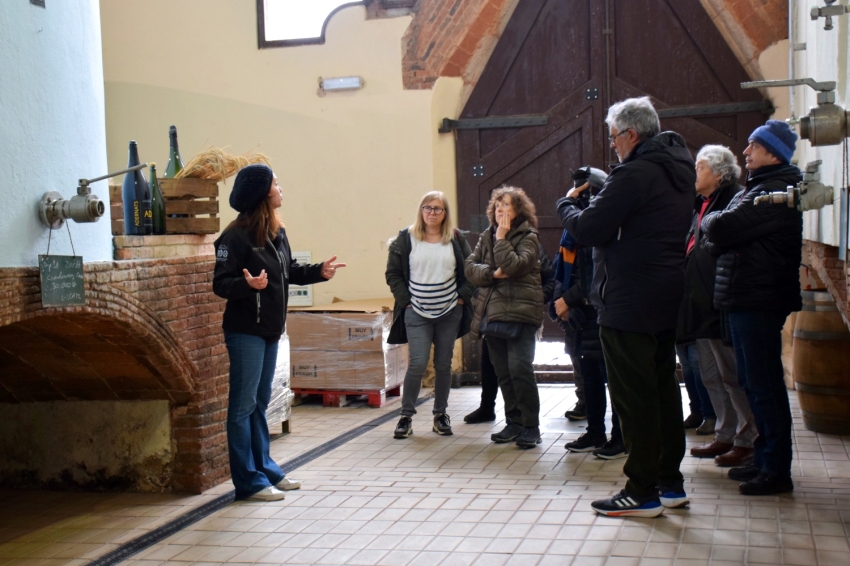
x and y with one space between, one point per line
113 348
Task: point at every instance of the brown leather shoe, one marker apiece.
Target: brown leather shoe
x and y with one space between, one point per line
711 450
738 456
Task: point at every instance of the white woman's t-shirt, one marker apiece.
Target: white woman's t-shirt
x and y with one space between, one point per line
433 284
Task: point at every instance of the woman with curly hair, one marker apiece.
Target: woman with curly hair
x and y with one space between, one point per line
508 303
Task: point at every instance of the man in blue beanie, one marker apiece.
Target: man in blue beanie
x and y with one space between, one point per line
757 285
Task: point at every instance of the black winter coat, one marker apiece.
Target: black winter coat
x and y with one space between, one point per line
760 247
637 225
248 311
698 318
398 278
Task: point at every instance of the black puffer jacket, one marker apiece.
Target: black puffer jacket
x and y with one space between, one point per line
248 311
698 318
760 247
637 225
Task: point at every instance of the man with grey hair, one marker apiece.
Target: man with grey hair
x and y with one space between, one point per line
735 430
637 226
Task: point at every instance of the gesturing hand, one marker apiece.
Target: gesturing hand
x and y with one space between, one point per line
329 268
574 193
259 282
503 227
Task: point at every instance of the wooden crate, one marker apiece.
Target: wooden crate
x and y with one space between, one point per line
196 200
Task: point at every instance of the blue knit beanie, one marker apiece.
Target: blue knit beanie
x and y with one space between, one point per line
251 187
778 138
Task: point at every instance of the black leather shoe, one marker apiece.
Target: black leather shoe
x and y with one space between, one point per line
744 473
766 484
693 420
480 415
508 434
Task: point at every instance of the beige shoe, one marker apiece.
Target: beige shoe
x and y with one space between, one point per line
268 494
287 484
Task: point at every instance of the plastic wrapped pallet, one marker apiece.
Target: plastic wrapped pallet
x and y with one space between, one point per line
280 406
343 347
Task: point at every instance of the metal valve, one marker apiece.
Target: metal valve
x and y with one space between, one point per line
810 194
827 123
83 207
828 12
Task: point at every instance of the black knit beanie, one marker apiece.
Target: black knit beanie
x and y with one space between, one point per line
251 187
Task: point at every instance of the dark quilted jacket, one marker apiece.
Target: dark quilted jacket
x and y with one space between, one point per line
759 247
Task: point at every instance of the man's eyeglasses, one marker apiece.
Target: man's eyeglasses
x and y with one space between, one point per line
615 136
438 210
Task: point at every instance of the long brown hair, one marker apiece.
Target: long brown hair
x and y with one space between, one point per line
261 223
524 208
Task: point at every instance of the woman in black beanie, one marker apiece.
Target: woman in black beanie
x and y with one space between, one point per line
253 269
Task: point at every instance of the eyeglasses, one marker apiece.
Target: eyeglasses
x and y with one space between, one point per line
438 210
615 136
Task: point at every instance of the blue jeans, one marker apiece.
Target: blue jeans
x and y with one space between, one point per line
757 339
252 364
596 404
698 399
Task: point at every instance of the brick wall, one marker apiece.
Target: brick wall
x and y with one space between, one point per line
149 330
831 270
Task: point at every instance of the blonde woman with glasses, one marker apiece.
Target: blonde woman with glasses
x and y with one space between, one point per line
432 304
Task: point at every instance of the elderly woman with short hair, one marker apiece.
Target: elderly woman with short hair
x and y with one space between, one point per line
735 431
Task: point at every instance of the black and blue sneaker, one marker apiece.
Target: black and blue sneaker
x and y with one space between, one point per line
673 497
625 505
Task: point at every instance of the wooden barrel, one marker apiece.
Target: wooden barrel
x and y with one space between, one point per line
821 364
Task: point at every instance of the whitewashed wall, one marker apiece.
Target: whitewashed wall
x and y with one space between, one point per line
52 125
825 58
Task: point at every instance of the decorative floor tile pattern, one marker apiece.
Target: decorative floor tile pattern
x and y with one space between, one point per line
455 500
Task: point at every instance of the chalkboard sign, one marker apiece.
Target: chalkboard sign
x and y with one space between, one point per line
62 282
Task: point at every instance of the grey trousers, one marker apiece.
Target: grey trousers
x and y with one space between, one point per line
735 422
421 334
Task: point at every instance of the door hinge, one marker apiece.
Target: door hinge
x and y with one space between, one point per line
764 106
493 122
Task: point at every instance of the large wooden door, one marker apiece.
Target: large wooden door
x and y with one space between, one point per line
570 60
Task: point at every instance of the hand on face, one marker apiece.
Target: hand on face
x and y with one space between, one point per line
505 214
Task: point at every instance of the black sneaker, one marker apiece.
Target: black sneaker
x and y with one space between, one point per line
442 425
766 484
587 442
673 497
577 413
529 438
625 505
507 434
744 473
404 428
480 415
611 450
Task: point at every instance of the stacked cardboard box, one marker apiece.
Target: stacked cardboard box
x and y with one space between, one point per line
343 347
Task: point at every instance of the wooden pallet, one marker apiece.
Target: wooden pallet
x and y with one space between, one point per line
331 398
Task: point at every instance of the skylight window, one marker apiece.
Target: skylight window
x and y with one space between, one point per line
295 22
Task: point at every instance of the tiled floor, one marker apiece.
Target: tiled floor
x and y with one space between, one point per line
456 500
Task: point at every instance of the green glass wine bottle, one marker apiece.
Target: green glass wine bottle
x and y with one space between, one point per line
157 204
175 163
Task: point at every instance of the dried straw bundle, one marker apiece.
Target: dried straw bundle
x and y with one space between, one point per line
215 164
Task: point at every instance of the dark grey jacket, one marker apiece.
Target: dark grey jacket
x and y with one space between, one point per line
760 247
637 226
698 318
